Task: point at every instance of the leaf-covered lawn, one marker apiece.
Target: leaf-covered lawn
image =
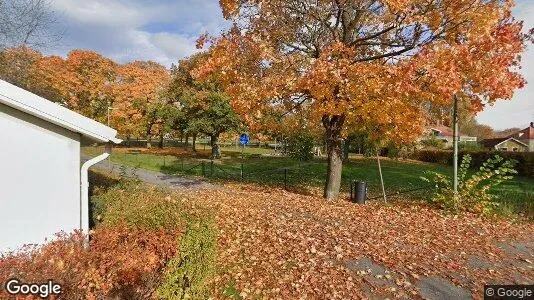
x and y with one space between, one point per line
276 244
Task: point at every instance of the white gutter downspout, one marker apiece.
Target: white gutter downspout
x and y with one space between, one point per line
84 182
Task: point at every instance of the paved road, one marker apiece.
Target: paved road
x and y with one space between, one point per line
153 177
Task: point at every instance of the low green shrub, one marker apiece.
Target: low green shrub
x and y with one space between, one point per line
473 191
300 146
524 167
139 205
148 243
432 143
470 146
187 275
100 182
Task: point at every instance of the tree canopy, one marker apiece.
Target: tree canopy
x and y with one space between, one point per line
204 104
131 95
377 64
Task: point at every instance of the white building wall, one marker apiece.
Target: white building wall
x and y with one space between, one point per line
39 179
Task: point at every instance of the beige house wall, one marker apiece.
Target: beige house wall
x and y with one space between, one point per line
510 145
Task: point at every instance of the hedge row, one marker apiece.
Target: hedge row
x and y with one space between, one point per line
147 243
525 165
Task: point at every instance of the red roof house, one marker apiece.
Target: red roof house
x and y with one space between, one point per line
526 136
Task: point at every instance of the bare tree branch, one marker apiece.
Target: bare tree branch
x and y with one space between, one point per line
28 23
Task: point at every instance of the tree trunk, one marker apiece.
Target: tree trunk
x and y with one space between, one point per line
346 143
160 144
325 141
149 141
194 142
215 149
186 140
149 134
333 126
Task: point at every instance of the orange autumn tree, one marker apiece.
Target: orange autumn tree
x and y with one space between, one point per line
16 65
369 63
84 80
92 84
138 91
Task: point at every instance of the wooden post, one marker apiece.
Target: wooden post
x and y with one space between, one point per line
285 178
455 143
381 178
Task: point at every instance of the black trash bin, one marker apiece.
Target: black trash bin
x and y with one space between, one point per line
358 191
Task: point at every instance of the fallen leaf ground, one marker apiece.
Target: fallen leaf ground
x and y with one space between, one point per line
276 244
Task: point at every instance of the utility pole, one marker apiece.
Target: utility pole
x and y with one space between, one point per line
109 119
455 143
109 115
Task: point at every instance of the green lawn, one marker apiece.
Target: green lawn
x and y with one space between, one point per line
399 176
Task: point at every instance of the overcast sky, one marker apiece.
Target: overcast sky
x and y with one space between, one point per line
124 30
166 30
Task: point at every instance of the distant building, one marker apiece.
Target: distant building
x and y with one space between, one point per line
505 144
526 136
445 134
521 141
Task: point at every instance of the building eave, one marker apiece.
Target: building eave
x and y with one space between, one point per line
44 109
511 138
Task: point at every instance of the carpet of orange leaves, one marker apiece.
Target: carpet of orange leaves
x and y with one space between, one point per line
276 244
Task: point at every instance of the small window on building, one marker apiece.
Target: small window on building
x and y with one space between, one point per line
515 149
504 149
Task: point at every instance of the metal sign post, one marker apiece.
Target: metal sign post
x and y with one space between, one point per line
243 140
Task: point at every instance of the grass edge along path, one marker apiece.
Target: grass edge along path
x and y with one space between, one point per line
400 176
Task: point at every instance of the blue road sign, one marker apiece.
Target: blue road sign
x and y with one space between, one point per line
243 139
